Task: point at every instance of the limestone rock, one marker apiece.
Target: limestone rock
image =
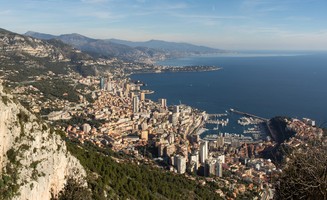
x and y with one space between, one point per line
30 150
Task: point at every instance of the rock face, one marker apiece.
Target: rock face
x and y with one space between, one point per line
33 159
11 42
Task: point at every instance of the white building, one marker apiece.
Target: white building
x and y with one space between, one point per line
203 151
194 157
136 104
221 158
219 168
180 164
86 128
163 103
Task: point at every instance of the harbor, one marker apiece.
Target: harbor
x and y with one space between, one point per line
235 127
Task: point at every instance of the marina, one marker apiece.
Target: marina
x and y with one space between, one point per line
235 127
248 114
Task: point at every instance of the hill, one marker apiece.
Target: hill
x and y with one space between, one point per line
146 52
28 56
170 46
33 159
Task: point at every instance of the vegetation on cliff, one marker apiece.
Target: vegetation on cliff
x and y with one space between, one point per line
109 179
305 175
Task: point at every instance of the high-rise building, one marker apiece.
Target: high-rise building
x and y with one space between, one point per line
136 104
174 119
220 141
102 81
142 96
203 151
163 103
171 138
144 135
180 164
176 109
161 148
194 157
108 85
221 158
210 167
127 89
219 168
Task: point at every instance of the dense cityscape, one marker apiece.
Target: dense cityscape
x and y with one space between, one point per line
114 112
160 100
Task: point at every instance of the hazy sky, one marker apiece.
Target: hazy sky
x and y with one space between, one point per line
228 24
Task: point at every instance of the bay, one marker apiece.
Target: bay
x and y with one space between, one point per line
264 84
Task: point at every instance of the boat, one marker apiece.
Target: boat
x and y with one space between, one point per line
216 128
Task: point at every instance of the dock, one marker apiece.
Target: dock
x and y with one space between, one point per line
248 114
217 115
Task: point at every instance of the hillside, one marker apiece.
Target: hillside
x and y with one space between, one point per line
170 46
146 52
33 159
37 158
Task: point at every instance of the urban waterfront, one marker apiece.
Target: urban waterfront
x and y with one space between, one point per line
266 85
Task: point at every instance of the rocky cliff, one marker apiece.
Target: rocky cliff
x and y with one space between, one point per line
33 158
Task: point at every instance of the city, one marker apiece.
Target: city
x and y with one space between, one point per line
114 112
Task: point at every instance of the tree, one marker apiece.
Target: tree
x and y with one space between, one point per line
305 175
73 190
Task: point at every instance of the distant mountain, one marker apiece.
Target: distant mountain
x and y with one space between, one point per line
29 56
146 52
170 46
41 36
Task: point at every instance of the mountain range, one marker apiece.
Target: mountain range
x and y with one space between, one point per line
146 52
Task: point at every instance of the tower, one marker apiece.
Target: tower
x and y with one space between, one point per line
219 168
163 103
142 96
203 151
136 106
102 80
180 164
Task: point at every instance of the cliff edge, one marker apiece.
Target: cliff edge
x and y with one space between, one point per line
33 159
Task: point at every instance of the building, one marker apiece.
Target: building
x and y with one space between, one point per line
174 119
194 157
220 141
219 168
176 109
210 167
136 104
169 150
203 151
102 83
163 103
171 138
144 135
142 96
86 128
180 164
221 158
161 148
109 86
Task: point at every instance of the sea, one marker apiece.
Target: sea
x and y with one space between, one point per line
263 83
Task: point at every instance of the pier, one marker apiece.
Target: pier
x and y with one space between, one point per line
217 115
248 114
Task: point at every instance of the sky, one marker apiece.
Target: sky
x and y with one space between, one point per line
225 24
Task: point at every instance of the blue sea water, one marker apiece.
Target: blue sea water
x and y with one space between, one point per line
264 84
